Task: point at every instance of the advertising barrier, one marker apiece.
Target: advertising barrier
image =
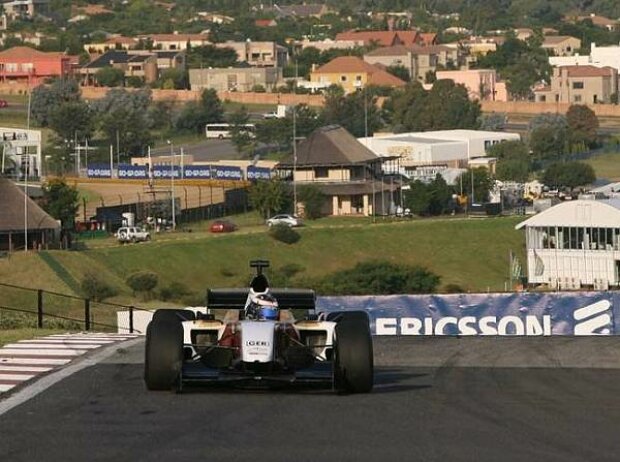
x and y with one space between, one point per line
197 172
258 173
99 171
132 172
530 314
164 171
221 172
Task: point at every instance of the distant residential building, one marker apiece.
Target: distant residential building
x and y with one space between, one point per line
265 23
418 60
611 25
4 21
33 67
301 11
174 59
215 18
25 8
34 39
113 43
329 44
608 56
580 85
258 54
481 84
523 33
352 74
475 47
347 173
241 79
442 148
561 45
133 65
171 42
389 38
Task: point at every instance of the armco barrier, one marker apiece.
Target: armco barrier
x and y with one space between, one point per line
575 313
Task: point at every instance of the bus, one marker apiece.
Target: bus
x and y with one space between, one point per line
223 130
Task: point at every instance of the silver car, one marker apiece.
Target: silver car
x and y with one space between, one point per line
288 220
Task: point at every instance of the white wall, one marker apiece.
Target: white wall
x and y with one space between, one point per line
583 266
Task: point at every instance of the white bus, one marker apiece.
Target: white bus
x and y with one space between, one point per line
223 130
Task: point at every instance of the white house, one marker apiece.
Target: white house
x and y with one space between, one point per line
22 148
599 57
575 244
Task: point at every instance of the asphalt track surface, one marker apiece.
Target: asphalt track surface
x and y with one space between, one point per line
436 399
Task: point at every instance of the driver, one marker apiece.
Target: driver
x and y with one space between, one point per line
262 307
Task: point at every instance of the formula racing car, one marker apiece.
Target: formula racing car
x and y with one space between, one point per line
258 342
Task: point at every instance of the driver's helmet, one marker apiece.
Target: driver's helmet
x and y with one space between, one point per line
263 307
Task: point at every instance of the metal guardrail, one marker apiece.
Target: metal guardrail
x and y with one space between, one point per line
46 304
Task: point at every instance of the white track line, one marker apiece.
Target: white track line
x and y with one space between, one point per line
20 377
39 346
65 342
24 368
33 361
5 387
40 352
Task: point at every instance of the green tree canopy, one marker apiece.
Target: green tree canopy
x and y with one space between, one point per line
194 116
46 99
72 119
211 56
354 111
482 184
433 198
61 201
312 199
270 197
568 175
110 77
582 125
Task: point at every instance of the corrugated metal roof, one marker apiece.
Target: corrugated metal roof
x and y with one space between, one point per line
579 213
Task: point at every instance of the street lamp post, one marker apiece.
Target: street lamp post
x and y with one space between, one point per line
174 218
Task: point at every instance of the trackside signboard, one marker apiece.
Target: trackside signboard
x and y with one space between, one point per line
575 313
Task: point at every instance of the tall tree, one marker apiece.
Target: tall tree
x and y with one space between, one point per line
194 116
61 201
582 124
482 184
46 98
568 175
357 112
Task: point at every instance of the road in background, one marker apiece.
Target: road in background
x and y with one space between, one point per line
436 399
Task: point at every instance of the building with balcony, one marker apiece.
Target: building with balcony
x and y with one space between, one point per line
575 244
349 174
258 54
580 85
139 65
25 8
242 79
29 66
352 74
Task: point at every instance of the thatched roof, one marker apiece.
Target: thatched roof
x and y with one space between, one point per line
331 145
12 210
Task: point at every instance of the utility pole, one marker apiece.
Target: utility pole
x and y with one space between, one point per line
295 146
174 219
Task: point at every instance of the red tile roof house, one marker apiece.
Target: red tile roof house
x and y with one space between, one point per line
389 38
27 65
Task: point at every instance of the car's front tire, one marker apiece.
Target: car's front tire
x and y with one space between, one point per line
353 357
163 354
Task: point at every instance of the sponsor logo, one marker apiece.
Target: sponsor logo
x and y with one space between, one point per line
257 343
594 319
467 325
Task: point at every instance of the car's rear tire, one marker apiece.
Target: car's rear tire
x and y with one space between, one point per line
163 354
170 315
338 316
353 357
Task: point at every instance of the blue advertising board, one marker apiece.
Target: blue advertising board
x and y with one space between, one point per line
221 172
99 171
530 314
197 172
258 173
128 172
165 171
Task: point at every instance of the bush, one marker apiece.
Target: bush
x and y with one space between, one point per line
142 281
284 233
379 278
313 199
173 291
96 288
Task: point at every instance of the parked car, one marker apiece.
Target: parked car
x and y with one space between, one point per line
132 234
222 226
288 220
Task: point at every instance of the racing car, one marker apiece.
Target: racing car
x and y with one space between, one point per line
258 342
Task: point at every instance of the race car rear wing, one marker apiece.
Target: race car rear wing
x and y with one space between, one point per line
236 298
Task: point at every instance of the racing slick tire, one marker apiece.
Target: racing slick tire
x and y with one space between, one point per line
166 315
338 316
353 357
163 354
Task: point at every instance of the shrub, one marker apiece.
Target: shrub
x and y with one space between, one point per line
284 233
174 291
142 281
379 278
96 288
313 199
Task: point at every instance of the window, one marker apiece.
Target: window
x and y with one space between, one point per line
358 78
343 78
595 99
577 85
487 144
577 99
321 172
542 98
